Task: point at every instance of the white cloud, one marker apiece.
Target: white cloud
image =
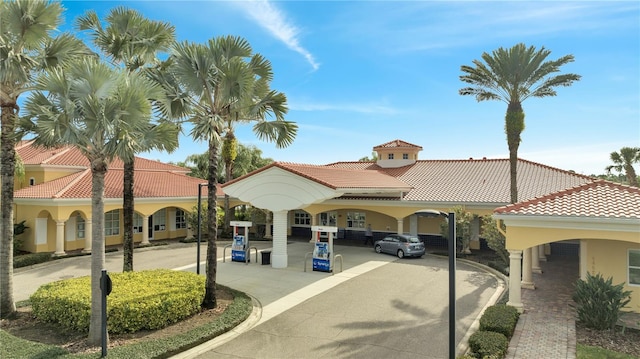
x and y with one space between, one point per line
274 20
341 107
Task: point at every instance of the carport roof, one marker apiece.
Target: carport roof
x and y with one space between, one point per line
599 199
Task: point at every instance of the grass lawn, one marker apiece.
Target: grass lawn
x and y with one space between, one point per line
589 352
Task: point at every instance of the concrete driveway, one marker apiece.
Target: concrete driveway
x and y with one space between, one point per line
377 307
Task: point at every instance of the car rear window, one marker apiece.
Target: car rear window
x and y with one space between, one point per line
414 240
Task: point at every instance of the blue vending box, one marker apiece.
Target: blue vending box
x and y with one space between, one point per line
321 257
238 249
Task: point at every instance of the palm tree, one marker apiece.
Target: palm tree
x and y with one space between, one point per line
513 75
220 82
26 47
623 162
86 106
132 41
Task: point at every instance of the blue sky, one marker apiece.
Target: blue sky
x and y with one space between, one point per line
361 73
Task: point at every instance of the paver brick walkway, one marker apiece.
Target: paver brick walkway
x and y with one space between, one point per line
547 328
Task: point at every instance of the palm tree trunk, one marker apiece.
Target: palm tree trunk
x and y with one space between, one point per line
7 169
98 171
128 210
209 301
631 175
514 125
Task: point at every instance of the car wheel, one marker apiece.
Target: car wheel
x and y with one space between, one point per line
400 253
378 248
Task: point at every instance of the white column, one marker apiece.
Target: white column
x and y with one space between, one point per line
401 226
88 230
515 297
59 238
527 276
541 255
535 260
267 230
583 259
279 253
145 230
314 222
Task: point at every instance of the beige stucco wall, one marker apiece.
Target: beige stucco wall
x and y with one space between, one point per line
520 238
610 258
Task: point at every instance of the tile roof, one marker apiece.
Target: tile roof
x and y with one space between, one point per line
600 199
338 178
147 184
397 144
152 179
68 156
474 181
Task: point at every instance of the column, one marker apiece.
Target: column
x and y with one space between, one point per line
527 276
541 255
515 297
279 253
267 230
88 230
145 230
314 222
583 259
59 238
400 225
535 260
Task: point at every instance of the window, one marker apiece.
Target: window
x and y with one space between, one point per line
137 223
405 156
634 266
32 181
80 226
112 223
180 219
159 220
390 156
301 218
356 219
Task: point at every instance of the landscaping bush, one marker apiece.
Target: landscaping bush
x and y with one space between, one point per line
139 300
487 344
500 318
598 301
25 260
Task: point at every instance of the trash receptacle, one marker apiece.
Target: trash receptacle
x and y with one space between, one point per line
266 257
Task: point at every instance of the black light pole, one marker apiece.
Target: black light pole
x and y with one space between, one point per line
199 225
451 219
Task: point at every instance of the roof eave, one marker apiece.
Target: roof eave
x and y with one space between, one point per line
570 222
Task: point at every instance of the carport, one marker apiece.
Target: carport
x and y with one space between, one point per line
604 217
281 187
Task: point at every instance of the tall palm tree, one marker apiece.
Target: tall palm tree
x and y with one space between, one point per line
87 105
623 162
219 79
132 41
26 47
513 75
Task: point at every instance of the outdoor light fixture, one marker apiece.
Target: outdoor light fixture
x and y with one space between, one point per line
451 218
200 185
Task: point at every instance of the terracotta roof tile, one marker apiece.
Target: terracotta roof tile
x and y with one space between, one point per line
596 199
397 144
476 181
147 184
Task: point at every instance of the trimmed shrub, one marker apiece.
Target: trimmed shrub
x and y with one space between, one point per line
145 300
500 318
599 301
488 344
25 260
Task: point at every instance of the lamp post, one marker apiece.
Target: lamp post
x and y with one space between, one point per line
451 219
200 185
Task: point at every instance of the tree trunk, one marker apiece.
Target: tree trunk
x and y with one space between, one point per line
514 125
209 300
7 169
98 171
128 210
631 176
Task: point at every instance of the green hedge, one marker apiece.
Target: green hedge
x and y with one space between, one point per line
25 260
488 344
139 300
500 318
